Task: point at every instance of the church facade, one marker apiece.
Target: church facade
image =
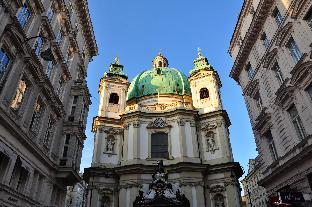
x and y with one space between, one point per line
162 115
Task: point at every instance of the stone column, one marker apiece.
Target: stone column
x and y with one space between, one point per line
98 146
29 182
181 125
195 139
136 140
9 173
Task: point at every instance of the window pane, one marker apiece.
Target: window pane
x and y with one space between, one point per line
159 148
38 46
278 73
35 121
49 69
294 50
23 16
4 62
250 71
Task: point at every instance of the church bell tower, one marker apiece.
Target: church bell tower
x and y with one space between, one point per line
106 126
205 86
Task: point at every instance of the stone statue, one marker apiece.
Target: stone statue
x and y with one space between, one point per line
211 144
110 145
105 201
219 200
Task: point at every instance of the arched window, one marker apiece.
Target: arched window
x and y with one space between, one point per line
204 93
159 148
113 98
159 64
219 200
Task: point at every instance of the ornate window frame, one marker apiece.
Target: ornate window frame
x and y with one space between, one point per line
158 125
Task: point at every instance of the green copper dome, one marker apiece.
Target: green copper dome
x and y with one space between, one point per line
159 80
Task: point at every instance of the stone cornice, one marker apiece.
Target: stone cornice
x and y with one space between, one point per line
289 161
241 16
300 73
251 37
221 113
85 20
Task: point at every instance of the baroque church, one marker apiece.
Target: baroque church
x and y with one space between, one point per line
165 117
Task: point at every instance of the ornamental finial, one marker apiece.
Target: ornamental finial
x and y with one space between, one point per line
160 52
116 61
199 52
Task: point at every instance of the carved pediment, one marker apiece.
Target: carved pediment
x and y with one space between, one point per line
301 72
269 58
158 123
113 131
263 120
209 126
297 7
252 88
284 94
284 34
216 189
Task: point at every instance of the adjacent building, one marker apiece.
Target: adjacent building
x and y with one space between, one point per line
45 48
255 195
271 49
162 115
76 195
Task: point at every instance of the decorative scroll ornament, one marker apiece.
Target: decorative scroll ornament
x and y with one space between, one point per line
161 192
158 123
208 127
113 131
216 189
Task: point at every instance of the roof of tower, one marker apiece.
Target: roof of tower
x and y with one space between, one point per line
201 63
115 70
159 80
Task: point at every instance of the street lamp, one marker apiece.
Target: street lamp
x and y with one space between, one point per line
47 55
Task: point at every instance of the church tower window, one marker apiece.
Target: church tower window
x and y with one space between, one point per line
159 148
204 93
113 98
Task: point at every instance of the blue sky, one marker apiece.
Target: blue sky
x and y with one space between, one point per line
136 30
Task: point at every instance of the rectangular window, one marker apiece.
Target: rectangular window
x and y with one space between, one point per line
50 14
49 133
266 41
309 18
295 118
65 151
272 147
159 145
36 117
67 138
60 88
38 46
278 73
278 17
4 62
294 50
23 16
59 37
250 71
49 69
258 101
19 94
309 90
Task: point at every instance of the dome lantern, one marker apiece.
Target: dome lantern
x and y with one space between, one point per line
160 61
